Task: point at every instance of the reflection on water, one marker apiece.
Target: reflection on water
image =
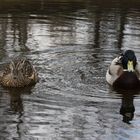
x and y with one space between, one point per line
16 102
15 96
127 106
71 43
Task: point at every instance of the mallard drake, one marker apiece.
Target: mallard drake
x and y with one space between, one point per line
124 71
18 73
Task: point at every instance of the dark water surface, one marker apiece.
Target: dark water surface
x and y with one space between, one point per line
71 43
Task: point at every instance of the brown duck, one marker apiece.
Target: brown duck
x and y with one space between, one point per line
18 73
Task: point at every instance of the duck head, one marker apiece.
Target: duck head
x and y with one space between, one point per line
129 60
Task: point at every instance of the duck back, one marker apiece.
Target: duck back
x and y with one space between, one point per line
128 80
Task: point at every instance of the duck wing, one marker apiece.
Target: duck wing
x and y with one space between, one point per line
114 71
138 70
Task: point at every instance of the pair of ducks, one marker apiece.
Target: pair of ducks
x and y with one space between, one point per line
124 72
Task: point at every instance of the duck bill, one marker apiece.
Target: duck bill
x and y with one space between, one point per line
130 66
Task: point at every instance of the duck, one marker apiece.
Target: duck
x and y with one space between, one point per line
19 72
124 71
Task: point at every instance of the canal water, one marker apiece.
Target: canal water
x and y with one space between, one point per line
71 43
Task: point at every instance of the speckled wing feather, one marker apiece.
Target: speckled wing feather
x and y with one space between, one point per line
28 68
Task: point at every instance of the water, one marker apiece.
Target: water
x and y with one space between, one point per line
71 43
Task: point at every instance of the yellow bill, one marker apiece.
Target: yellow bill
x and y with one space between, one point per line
130 66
